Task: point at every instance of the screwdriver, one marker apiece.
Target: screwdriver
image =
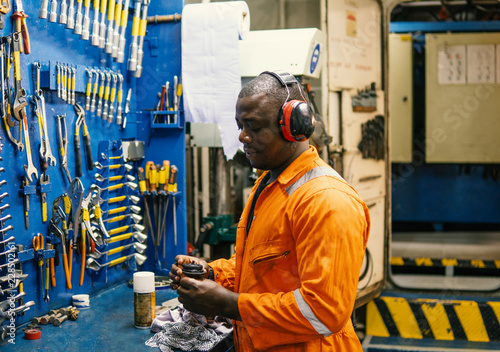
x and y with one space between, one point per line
172 187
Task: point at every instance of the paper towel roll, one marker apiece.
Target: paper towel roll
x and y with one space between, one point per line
211 77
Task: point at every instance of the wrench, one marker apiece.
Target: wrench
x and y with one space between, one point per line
38 114
112 98
49 157
31 170
94 89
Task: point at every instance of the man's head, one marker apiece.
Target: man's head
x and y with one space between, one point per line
257 112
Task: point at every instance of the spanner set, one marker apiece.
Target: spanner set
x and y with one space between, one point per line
78 86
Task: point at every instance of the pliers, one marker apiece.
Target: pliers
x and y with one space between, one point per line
80 121
58 215
63 144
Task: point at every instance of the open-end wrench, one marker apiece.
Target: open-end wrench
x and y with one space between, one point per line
49 157
31 170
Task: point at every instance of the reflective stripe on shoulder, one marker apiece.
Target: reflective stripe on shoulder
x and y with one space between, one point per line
309 315
312 174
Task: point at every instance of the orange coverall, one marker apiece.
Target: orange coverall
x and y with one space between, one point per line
297 271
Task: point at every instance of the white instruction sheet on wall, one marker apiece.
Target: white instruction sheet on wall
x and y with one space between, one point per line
452 64
481 64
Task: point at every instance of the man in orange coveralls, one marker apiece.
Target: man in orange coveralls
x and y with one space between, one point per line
292 282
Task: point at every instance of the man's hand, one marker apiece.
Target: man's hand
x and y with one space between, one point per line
176 269
208 298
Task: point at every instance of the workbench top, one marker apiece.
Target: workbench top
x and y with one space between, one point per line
108 325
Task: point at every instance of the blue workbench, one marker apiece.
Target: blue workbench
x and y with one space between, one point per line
108 325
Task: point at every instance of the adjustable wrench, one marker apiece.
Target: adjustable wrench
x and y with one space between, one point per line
20 107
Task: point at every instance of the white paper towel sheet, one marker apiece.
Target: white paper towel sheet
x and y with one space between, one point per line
211 78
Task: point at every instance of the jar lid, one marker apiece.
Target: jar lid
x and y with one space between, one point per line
144 282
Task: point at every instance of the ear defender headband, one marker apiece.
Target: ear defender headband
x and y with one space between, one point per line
295 117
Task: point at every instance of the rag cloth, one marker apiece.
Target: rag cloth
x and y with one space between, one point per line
182 329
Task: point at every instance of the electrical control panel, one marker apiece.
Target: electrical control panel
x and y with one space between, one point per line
462 97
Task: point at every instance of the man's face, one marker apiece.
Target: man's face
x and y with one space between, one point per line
257 120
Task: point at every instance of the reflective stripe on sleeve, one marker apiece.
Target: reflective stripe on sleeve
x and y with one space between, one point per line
309 315
312 174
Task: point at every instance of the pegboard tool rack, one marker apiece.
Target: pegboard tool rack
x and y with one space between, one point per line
52 43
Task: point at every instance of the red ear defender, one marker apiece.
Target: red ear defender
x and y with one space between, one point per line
296 118
297 121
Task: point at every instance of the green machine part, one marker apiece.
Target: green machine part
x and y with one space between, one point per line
221 228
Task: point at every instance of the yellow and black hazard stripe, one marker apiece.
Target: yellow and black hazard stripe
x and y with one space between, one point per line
435 262
433 319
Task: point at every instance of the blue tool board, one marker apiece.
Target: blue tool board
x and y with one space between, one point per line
52 44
